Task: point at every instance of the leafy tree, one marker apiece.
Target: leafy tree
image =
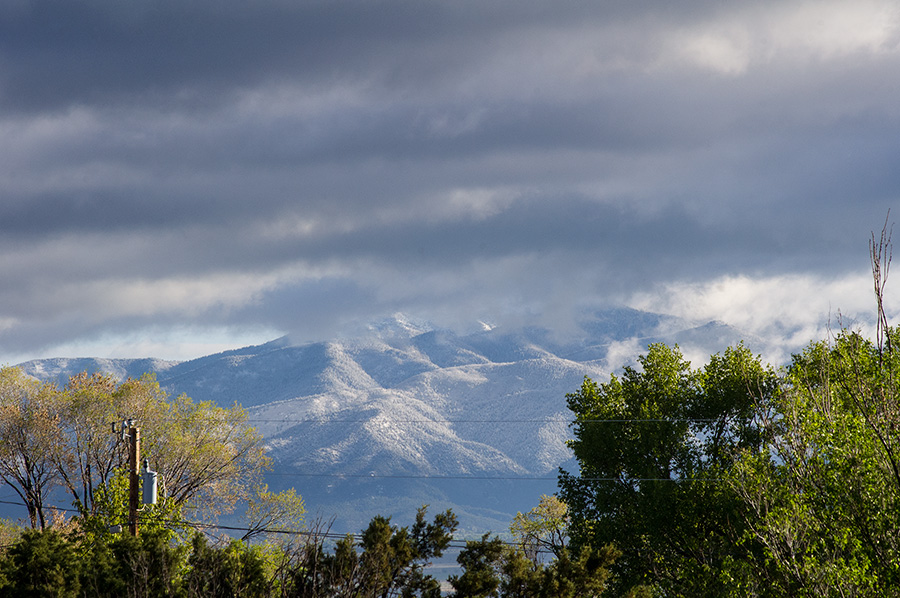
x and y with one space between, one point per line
87 453
481 563
493 569
111 509
234 570
147 566
29 426
387 561
208 457
545 527
651 447
41 564
269 512
822 491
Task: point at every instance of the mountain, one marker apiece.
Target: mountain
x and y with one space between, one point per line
402 413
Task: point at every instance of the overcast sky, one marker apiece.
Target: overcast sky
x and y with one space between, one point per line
184 176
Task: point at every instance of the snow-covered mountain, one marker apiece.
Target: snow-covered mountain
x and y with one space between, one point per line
403 414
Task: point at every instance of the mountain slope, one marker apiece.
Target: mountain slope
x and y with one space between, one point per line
404 413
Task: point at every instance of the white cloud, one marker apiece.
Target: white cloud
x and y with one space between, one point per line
730 43
786 311
178 343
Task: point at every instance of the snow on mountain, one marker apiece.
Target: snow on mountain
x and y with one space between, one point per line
413 412
59 369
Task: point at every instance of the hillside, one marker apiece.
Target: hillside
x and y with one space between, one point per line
404 414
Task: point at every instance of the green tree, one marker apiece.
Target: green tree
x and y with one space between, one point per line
233 570
386 561
147 566
273 512
822 491
481 563
87 453
41 564
490 568
651 448
111 509
207 456
545 527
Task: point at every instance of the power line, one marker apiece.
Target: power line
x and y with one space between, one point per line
408 476
378 419
329 535
481 478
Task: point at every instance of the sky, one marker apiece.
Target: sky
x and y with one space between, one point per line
180 177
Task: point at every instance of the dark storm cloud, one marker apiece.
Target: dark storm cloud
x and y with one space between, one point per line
60 53
219 163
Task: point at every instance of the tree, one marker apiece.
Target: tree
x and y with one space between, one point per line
822 492
111 508
386 561
87 452
271 512
651 447
481 563
545 527
146 566
233 570
208 457
490 568
41 564
29 426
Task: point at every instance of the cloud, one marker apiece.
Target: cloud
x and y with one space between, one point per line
791 33
788 311
295 165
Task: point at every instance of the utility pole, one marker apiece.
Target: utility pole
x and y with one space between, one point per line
134 457
133 434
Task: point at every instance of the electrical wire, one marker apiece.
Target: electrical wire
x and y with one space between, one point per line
328 535
378 419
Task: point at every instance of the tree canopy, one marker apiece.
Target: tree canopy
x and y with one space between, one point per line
737 479
208 457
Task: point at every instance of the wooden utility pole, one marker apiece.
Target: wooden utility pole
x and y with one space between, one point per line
134 457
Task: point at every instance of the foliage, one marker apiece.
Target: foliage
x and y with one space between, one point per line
481 561
493 569
146 566
736 481
87 453
387 561
273 512
545 527
41 565
208 457
111 512
234 570
822 490
28 430
651 447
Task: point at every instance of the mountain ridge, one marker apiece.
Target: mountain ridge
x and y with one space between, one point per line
408 411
